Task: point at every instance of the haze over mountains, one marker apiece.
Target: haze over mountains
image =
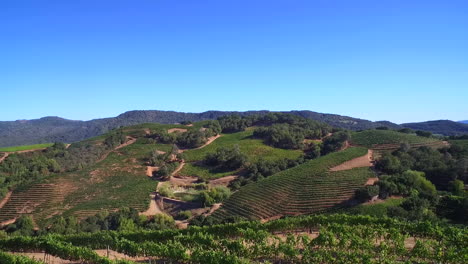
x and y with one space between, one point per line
56 129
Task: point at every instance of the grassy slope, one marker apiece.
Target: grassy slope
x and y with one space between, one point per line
253 148
368 138
462 143
117 181
307 188
26 147
377 209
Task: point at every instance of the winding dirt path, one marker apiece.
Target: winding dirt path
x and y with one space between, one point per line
153 206
181 165
5 155
5 199
363 161
224 181
129 142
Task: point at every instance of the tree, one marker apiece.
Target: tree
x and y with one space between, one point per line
365 193
423 133
457 187
23 226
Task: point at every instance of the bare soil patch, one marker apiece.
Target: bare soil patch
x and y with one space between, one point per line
39 256
224 181
183 180
154 207
177 130
5 155
363 161
130 141
150 170
372 181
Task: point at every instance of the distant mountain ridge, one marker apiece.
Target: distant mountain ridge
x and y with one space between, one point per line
442 127
52 129
56 129
463 121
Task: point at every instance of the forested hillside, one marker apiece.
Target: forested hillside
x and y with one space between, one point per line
442 127
55 129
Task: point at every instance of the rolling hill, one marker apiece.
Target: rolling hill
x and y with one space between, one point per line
441 127
56 129
304 189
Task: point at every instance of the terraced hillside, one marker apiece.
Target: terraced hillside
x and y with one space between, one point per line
251 147
117 180
307 188
119 176
389 140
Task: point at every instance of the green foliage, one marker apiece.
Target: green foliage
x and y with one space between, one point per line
379 209
457 187
25 147
341 239
226 158
254 149
367 192
160 222
454 208
369 138
335 142
423 133
184 215
15 259
304 189
214 195
23 226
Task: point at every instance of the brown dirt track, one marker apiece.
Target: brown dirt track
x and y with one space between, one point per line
363 161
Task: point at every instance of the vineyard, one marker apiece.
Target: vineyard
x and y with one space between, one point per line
370 138
116 181
381 141
253 148
312 239
304 189
25 147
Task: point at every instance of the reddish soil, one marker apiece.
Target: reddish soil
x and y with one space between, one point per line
209 141
224 181
177 130
154 207
130 141
181 165
183 180
5 199
150 170
213 208
5 155
372 181
7 222
39 256
363 161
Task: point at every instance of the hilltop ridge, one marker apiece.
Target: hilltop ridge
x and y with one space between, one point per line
52 129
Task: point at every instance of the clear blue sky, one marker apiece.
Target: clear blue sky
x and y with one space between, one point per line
396 60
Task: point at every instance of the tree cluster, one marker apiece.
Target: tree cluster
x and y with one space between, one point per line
226 158
126 219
